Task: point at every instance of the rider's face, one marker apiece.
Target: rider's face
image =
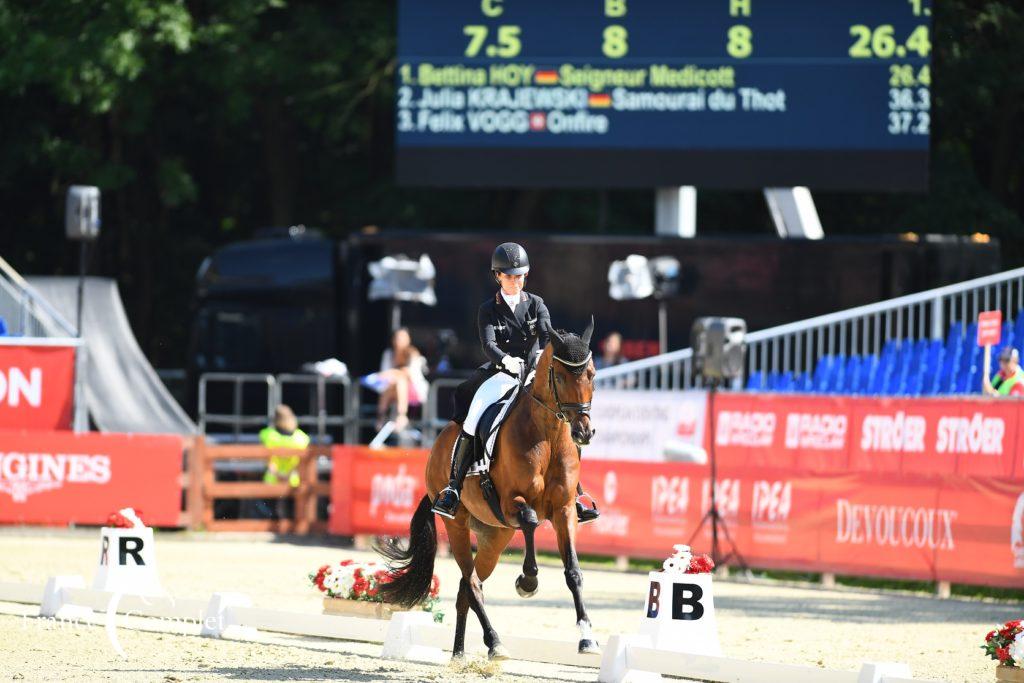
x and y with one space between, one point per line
511 284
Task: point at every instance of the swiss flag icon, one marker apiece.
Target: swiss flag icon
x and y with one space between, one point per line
538 121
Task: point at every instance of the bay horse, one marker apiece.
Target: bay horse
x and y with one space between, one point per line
535 472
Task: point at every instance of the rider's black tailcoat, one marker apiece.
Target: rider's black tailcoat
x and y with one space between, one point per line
503 332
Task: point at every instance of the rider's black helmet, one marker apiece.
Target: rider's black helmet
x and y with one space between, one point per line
511 259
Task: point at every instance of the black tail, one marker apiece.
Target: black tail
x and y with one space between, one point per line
411 568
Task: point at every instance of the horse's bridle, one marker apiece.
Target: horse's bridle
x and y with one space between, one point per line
578 408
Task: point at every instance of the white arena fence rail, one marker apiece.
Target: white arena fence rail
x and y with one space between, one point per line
413 633
26 313
796 347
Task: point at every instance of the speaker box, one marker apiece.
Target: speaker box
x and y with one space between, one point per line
82 213
719 347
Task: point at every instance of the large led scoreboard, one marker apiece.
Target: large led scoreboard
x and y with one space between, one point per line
832 94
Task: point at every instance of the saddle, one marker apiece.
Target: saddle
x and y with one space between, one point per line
485 445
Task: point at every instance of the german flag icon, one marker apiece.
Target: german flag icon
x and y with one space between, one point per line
548 77
599 100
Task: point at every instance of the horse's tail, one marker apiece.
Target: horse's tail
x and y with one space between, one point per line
411 568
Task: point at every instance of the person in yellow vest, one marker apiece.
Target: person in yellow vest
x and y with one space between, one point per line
284 433
1009 381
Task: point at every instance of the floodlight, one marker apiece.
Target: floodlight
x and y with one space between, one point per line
400 278
637 277
630 278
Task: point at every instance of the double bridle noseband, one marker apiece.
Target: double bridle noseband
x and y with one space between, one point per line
578 408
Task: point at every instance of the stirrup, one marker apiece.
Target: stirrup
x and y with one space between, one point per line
584 514
450 509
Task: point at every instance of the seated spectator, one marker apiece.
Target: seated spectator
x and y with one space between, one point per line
1009 381
284 433
611 352
400 380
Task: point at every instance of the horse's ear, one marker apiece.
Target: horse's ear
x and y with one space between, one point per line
588 332
554 335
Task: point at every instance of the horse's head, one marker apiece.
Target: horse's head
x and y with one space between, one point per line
570 374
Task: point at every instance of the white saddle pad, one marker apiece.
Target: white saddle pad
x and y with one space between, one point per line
484 464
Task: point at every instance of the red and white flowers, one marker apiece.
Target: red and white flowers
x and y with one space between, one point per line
126 518
685 562
351 580
1006 644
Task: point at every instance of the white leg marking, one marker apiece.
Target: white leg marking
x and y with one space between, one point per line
585 633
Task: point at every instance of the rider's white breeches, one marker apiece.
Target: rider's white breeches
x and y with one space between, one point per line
489 392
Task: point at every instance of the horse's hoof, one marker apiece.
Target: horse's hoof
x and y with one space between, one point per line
526 586
458 656
498 653
589 647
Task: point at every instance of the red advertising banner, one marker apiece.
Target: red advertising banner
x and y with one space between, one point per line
385 486
36 386
63 478
925 489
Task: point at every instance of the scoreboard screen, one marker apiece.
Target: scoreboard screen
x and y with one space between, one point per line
832 94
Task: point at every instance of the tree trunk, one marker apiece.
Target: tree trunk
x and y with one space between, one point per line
278 144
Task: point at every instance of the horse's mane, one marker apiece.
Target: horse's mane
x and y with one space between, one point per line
572 348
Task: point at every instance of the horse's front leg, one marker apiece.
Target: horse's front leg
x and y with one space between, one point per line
526 584
565 530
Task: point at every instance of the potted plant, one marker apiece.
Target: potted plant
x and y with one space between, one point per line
1006 645
353 589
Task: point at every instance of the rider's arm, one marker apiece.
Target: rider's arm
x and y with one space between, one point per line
543 324
485 326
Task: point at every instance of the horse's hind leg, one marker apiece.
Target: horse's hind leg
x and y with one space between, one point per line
462 552
490 542
526 584
471 594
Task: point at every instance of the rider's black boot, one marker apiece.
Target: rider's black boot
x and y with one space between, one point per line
447 502
585 514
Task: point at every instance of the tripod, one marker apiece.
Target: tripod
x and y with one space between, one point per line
713 516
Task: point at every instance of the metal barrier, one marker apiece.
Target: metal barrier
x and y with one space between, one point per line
432 423
237 419
318 417
796 347
26 312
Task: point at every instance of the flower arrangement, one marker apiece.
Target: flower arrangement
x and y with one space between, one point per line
685 562
126 518
1006 644
351 580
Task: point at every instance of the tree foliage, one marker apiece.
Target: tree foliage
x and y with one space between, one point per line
203 120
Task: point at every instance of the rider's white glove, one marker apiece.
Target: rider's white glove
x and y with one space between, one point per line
513 364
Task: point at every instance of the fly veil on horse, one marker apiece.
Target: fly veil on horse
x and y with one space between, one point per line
534 472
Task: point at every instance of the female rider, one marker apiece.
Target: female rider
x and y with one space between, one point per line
513 332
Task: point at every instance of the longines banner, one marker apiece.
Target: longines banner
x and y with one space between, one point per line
65 478
36 386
